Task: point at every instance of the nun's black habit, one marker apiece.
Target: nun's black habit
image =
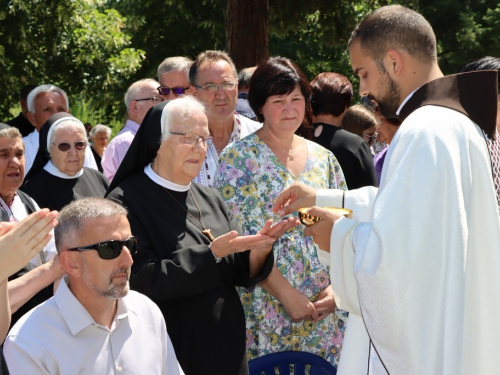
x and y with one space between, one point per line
175 267
54 192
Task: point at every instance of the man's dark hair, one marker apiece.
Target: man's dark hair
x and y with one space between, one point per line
331 94
279 76
396 27
209 56
23 94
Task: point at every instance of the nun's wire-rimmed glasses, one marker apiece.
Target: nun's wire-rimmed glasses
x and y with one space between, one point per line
192 138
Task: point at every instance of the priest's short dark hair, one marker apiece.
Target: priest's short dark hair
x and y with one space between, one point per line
396 27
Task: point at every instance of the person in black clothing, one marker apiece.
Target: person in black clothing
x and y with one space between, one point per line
21 122
58 176
191 252
331 96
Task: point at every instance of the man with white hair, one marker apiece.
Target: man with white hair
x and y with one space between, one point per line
43 102
140 97
93 324
173 77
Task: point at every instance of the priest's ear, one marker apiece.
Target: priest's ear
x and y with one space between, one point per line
393 62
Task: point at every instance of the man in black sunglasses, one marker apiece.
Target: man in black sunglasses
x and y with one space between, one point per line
173 77
93 313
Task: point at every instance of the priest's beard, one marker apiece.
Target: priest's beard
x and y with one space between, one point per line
390 100
114 290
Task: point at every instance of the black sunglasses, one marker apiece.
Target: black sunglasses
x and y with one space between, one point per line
178 91
111 249
66 146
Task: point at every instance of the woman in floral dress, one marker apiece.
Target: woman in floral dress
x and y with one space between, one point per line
294 308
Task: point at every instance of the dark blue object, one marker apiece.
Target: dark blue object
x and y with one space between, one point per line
283 361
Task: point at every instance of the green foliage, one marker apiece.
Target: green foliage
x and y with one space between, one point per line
465 30
75 44
165 28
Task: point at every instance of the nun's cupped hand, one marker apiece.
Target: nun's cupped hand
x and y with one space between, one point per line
231 243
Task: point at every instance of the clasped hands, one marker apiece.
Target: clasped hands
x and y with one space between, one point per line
232 242
298 196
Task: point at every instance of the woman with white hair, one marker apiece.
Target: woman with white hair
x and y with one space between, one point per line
99 138
58 176
191 252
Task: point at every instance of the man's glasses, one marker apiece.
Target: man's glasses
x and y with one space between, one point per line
111 249
178 91
154 99
226 86
191 138
371 138
66 146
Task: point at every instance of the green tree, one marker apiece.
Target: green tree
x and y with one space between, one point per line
78 45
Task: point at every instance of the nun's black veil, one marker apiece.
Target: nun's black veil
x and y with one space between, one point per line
144 147
42 156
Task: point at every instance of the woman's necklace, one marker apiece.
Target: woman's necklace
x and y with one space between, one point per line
290 153
205 231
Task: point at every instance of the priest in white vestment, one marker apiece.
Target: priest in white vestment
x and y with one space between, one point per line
418 265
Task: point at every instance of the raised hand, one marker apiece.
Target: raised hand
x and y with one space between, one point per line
295 196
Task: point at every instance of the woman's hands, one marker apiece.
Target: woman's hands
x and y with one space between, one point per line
325 304
298 306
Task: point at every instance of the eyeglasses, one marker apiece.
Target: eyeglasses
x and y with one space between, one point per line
111 249
191 138
178 91
226 86
66 146
154 99
371 138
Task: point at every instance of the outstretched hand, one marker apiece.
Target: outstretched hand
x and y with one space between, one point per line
295 196
22 241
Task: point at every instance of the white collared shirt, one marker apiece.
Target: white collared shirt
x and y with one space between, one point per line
60 337
242 127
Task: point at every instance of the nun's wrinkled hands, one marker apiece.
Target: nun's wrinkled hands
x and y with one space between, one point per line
231 242
22 241
297 195
276 230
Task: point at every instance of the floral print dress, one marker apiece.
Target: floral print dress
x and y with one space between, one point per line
250 178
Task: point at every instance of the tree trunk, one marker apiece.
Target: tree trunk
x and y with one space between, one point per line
247 31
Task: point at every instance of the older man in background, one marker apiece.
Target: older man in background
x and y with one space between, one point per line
43 102
93 324
214 76
21 121
140 96
173 77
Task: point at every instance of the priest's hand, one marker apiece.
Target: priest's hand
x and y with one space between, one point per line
298 306
322 230
295 196
325 303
